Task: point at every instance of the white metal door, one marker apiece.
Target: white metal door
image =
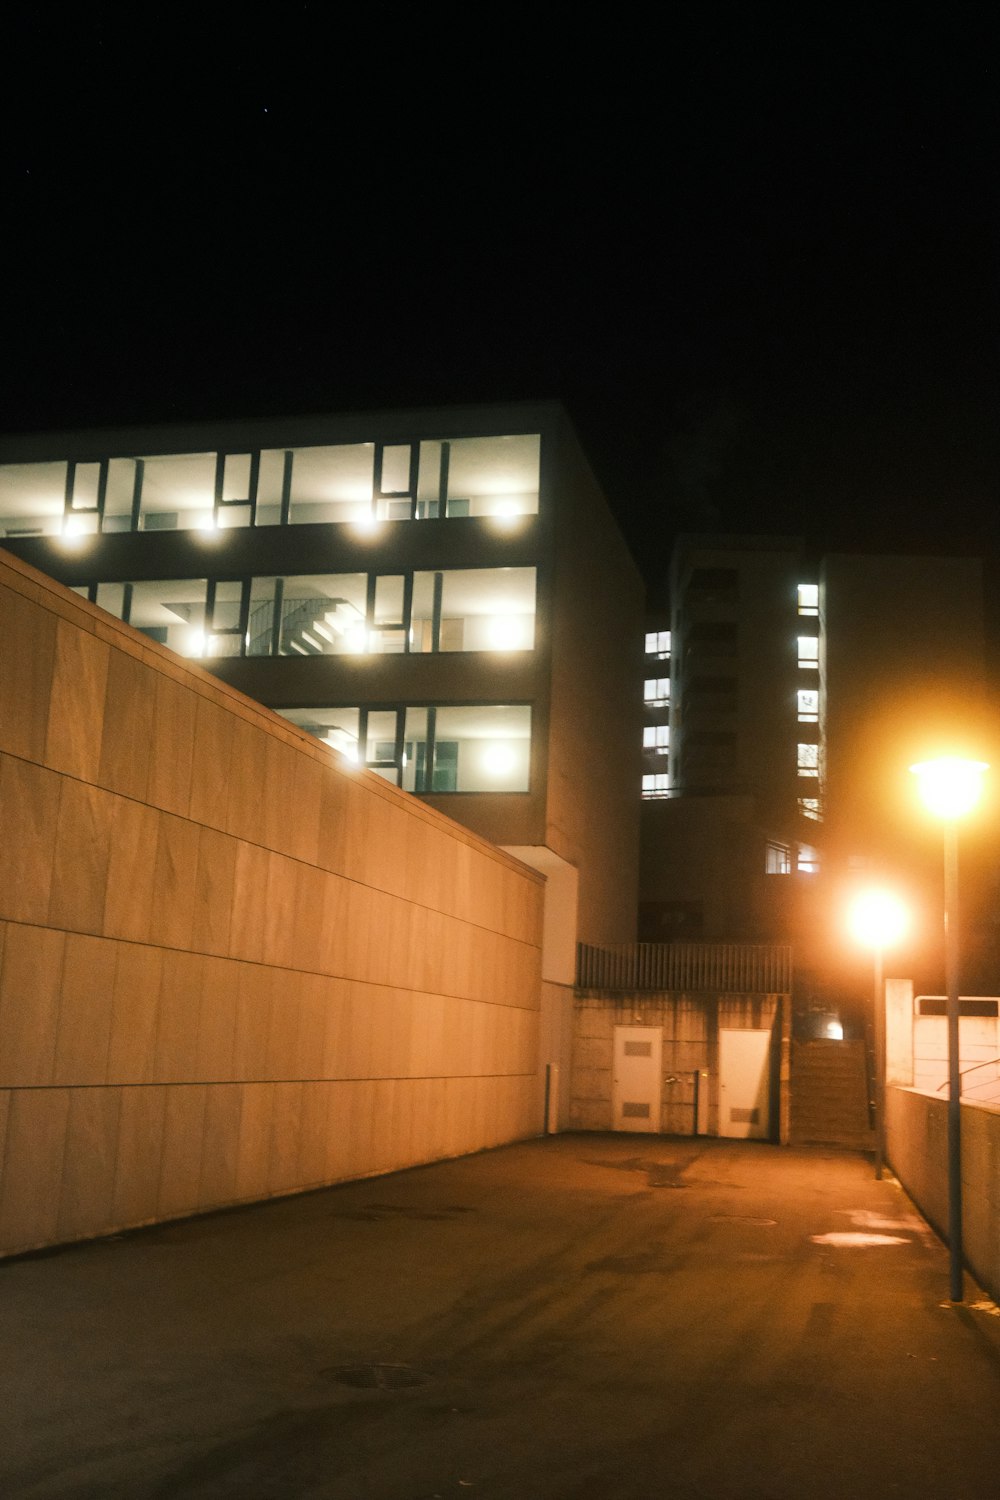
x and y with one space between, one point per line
636 1078
744 1082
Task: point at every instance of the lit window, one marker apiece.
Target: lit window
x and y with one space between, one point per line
336 727
474 748
656 737
808 760
473 609
808 651
32 499
656 690
810 807
658 643
487 476
808 599
777 858
808 860
490 748
178 492
655 785
808 700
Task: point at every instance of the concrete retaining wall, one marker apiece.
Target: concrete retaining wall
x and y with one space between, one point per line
917 1148
231 966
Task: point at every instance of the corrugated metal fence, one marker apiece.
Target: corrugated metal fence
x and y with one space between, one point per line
732 968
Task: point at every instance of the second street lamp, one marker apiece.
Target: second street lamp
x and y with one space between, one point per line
878 919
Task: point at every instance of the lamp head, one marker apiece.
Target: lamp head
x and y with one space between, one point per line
878 918
950 787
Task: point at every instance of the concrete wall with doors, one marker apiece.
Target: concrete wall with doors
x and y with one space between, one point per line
231 965
691 1035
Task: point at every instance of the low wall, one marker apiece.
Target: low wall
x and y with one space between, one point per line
917 1148
231 966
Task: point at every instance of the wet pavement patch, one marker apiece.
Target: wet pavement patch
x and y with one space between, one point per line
847 1240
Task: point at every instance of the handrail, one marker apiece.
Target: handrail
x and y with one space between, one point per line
987 1064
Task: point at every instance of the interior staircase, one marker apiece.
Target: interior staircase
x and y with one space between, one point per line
829 1095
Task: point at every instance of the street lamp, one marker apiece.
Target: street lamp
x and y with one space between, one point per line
950 789
879 919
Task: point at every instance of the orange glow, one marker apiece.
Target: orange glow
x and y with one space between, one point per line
878 918
950 787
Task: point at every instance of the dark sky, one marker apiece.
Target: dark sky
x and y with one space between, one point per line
754 252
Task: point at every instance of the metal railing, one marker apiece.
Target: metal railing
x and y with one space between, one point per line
730 968
989 1063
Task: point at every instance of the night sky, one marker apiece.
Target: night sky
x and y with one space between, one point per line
755 252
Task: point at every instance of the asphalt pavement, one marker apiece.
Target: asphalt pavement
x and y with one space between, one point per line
588 1317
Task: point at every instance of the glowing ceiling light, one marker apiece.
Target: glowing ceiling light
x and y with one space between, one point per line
194 645
339 740
506 505
367 523
504 633
499 759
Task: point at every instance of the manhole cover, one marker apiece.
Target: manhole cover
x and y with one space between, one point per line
378 1377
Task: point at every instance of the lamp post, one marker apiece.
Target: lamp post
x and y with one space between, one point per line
878 919
950 789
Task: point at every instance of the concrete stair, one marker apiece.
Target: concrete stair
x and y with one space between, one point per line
829 1090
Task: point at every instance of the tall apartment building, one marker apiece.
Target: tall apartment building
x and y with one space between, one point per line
441 596
798 689
737 700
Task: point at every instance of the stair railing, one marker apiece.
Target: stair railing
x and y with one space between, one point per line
989 1063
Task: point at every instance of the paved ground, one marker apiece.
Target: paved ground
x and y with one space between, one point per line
584 1318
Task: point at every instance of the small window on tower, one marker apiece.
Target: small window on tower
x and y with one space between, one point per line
657 642
808 760
656 691
808 598
808 699
810 807
655 785
808 651
777 858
